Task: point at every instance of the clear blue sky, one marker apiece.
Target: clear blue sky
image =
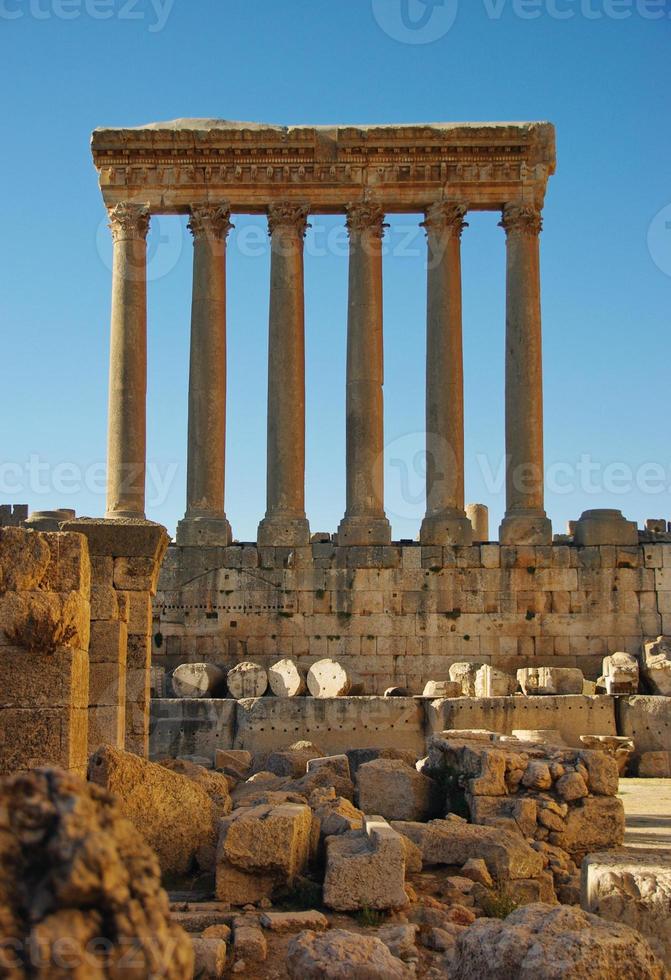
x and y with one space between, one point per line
602 75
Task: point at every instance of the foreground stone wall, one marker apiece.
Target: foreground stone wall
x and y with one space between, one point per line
44 639
400 615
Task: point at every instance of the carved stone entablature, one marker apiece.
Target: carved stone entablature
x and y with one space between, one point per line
184 163
446 218
210 221
129 220
288 217
522 219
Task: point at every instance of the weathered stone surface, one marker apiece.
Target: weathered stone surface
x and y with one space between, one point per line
395 790
656 665
292 761
342 955
286 679
191 726
236 761
247 680
365 869
544 942
174 814
328 679
465 674
215 784
249 943
476 870
631 886
442 689
602 772
621 673
597 823
337 763
655 765
198 681
646 719
210 958
617 747
24 559
550 680
337 816
490 682
453 842
75 868
605 526
400 940
294 921
260 848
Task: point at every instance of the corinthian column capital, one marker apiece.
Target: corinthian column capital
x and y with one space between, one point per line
286 216
129 220
446 218
366 217
210 221
522 219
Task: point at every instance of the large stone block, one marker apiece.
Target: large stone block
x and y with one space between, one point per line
365 869
632 886
24 559
596 823
173 813
31 679
33 737
129 538
656 666
571 715
336 724
341 955
187 726
454 842
647 720
543 942
550 680
259 849
395 790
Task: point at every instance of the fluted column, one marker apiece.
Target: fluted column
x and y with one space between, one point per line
525 521
127 417
365 522
445 522
285 523
205 519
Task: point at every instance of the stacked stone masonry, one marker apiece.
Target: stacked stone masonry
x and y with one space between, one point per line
401 615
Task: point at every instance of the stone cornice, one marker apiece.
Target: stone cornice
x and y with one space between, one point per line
191 162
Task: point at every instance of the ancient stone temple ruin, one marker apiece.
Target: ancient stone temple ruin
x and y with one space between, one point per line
346 756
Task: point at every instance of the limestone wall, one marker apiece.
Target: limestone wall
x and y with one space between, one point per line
402 614
44 640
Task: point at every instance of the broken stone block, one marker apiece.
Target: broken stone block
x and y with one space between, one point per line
453 841
545 942
260 848
400 940
619 747
249 943
656 665
621 673
465 674
247 680
294 921
547 736
338 816
174 814
596 824
337 763
365 869
24 559
395 790
476 870
215 784
210 958
329 679
286 679
602 772
631 886
442 689
341 955
76 869
198 681
292 761
655 765
550 680
604 527
517 814
236 762
490 682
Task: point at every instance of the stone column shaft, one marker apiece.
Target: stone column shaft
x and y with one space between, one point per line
365 522
445 522
205 520
127 416
285 523
525 521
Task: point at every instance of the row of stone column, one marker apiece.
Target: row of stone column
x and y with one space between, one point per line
364 523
